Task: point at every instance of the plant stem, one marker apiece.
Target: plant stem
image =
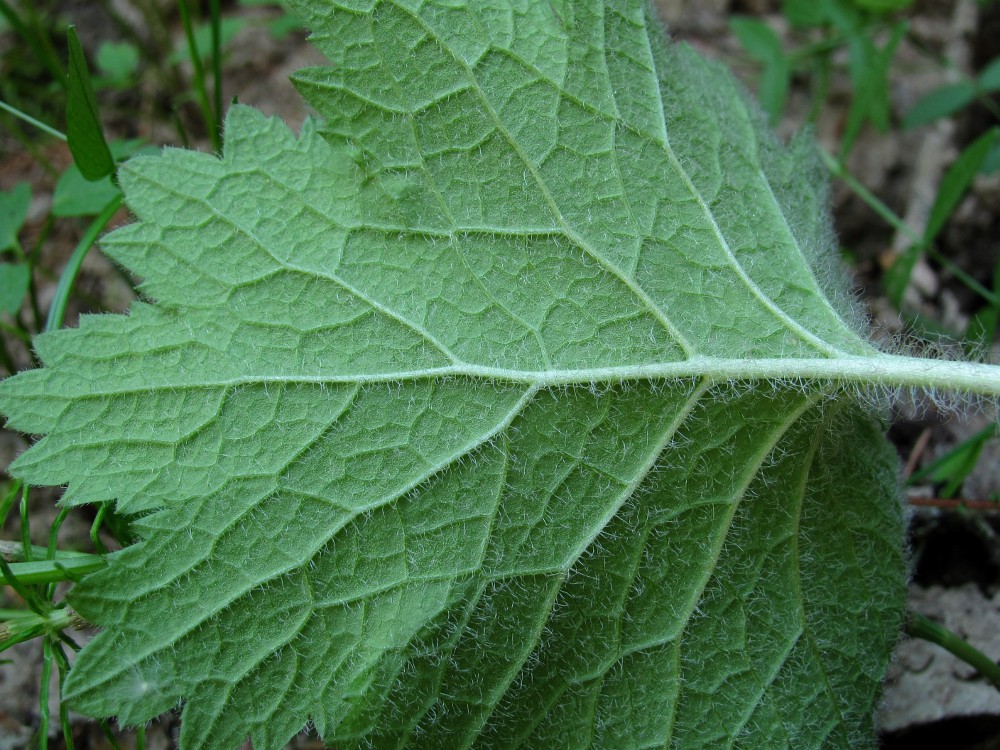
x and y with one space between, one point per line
837 169
216 18
922 627
32 121
43 695
199 77
25 524
964 277
57 312
62 665
49 571
95 529
14 551
13 127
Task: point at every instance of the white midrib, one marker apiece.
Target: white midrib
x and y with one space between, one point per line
876 370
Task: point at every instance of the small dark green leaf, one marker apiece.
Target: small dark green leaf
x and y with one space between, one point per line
83 126
14 278
775 80
804 13
758 39
956 181
845 16
13 212
939 103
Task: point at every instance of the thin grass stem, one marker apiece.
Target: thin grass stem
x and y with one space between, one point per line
13 127
95 529
51 571
43 695
201 93
106 731
919 626
991 298
50 552
25 524
31 120
8 501
215 12
10 579
14 552
57 312
62 666
890 217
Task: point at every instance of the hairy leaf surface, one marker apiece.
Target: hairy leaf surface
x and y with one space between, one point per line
501 408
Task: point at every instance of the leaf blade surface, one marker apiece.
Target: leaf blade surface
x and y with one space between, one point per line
447 420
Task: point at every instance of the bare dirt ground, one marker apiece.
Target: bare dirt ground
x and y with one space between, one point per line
931 700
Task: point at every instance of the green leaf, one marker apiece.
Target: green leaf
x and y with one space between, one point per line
956 182
953 467
284 25
953 186
83 124
14 280
13 211
514 405
805 13
764 45
279 27
846 16
758 39
869 69
989 78
76 196
941 102
118 61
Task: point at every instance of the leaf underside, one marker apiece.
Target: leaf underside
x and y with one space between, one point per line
402 476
